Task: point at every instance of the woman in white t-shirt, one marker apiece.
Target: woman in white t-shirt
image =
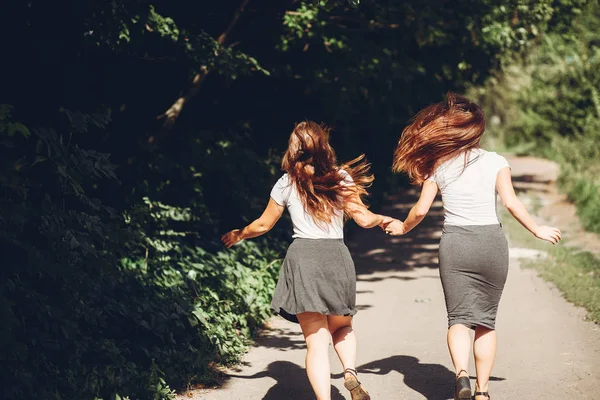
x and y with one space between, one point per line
440 150
317 283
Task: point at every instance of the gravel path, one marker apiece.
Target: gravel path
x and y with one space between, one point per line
546 348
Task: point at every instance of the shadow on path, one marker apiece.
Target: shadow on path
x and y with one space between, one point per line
281 339
433 381
373 251
292 382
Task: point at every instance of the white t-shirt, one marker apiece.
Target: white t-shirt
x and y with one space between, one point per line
285 194
469 194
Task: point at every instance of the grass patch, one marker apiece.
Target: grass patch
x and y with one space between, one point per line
576 273
584 192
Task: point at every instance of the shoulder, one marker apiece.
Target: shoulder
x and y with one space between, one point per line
493 156
432 176
285 179
283 183
495 160
280 192
440 168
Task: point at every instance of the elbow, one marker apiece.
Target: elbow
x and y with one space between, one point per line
361 219
421 209
262 228
511 205
421 212
265 228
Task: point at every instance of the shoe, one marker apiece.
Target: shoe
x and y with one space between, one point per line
462 387
486 394
353 385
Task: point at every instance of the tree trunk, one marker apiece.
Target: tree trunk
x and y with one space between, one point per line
170 116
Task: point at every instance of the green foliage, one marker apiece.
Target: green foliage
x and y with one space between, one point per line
498 29
138 27
549 105
115 304
164 26
388 59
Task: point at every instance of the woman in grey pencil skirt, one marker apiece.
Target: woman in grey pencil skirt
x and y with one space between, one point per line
440 150
317 283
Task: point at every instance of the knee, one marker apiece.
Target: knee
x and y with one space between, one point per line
318 340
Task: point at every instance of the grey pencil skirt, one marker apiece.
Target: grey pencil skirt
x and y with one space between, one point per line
317 275
473 268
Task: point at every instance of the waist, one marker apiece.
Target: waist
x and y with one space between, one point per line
318 240
471 229
472 219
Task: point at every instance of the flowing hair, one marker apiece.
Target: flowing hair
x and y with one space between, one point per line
436 134
312 166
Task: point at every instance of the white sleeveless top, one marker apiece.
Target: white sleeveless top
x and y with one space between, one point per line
285 194
469 193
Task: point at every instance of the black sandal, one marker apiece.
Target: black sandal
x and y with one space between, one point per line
486 394
353 385
462 387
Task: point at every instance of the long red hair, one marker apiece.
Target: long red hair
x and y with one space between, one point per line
438 133
312 166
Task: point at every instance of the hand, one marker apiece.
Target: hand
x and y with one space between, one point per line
395 228
548 233
386 221
231 238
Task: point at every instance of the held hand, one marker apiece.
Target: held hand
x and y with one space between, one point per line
386 221
231 238
548 233
395 228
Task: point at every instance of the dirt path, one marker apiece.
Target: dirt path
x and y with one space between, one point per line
546 349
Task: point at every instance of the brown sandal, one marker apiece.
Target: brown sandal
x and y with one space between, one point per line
486 394
353 385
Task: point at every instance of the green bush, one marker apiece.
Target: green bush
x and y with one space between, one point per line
579 157
549 105
101 304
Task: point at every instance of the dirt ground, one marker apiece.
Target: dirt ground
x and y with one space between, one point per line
546 348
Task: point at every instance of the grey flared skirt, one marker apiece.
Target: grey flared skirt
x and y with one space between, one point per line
317 275
473 268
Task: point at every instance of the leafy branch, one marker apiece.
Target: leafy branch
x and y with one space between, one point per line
173 112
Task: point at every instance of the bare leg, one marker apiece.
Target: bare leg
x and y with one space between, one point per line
459 344
344 339
484 349
316 333
344 342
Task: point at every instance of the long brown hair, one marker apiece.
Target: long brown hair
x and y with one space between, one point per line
312 166
436 134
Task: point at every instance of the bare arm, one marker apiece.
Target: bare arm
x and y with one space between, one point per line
258 227
516 208
418 212
360 213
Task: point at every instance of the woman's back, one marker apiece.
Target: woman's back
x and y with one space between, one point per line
285 194
468 187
